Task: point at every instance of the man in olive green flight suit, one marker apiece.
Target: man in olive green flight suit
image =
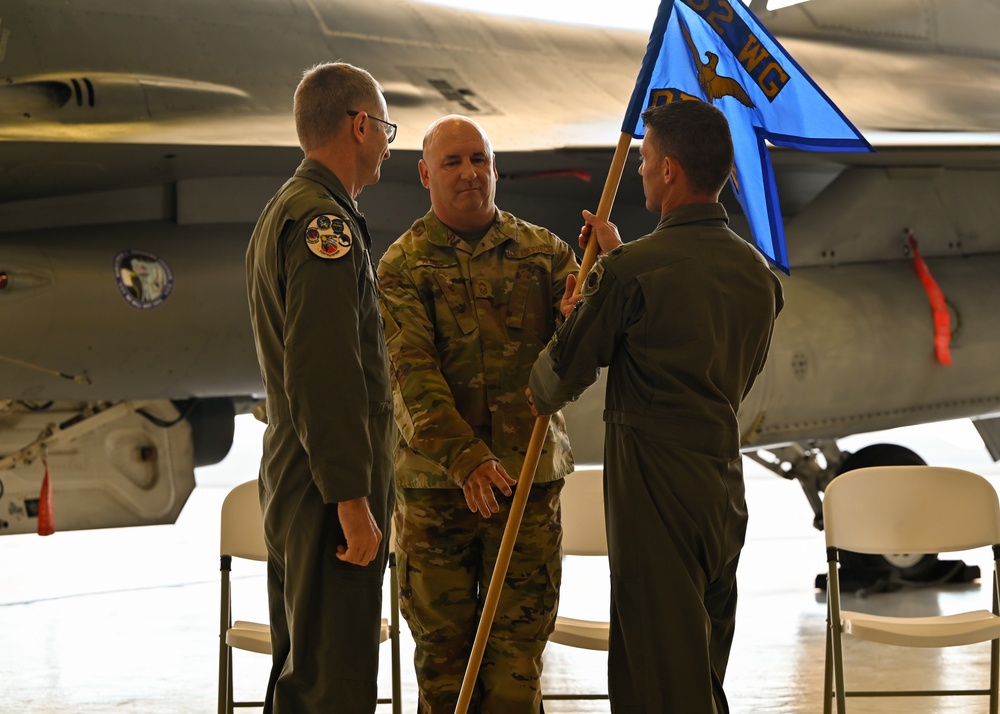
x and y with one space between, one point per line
470 295
326 471
684 317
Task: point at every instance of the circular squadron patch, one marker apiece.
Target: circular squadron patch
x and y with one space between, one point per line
329 236
144 280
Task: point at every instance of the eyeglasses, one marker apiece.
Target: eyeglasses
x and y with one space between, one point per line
390 128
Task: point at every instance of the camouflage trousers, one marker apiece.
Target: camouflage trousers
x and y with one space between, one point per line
445 558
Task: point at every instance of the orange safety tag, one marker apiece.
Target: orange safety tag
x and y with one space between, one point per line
942 320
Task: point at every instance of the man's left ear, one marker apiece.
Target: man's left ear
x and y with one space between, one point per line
357 128
669 168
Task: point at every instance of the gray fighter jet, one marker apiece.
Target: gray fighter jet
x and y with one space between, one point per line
139 142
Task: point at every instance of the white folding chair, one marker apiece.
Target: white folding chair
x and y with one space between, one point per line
242 536
909 509
582 502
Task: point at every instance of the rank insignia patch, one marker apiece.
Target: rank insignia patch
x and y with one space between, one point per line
329 237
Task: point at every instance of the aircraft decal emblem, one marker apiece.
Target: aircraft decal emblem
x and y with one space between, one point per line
144 279
329 237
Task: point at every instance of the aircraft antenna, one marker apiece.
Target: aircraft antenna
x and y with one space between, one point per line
81 378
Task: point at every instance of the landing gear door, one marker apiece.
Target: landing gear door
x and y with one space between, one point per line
109 467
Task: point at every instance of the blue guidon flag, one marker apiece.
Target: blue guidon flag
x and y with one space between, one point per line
718 52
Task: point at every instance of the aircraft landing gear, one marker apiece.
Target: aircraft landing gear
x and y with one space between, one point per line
814 467
906 566
892 571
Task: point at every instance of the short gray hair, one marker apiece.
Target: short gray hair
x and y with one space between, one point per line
324 96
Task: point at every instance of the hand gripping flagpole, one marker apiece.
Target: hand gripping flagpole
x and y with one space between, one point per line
523 485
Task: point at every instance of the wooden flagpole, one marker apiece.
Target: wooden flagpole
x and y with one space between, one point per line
531 455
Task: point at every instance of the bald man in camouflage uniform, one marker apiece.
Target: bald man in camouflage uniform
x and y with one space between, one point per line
470 296
326 471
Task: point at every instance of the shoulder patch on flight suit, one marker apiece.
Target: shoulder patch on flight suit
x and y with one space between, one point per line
329 236
597 284
593 280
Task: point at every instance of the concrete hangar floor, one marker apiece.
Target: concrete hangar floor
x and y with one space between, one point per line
126 620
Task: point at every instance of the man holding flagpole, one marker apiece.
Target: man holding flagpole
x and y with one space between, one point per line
683 319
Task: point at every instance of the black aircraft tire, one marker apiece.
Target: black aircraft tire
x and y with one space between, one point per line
906 567
213 424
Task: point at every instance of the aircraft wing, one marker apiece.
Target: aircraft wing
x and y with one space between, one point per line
139 142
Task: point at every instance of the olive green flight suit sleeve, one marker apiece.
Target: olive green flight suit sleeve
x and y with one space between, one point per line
425 409
564 264
324 376
572 360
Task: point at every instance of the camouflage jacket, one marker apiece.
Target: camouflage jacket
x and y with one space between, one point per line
463 328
